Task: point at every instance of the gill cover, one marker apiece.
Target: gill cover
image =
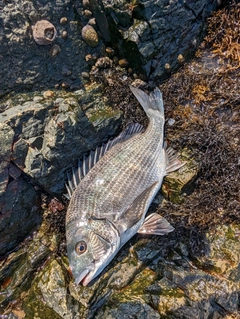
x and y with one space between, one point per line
91 248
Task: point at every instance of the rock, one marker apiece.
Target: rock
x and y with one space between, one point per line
6 137
166 279
31 62
49 132
20 213
103 63
158 33
129 310
149 34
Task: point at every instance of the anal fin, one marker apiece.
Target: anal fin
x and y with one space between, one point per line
155 224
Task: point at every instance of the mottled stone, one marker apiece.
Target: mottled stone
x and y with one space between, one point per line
129 310
20 213
33 69
6 138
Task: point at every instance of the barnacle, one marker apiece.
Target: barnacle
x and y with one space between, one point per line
44 32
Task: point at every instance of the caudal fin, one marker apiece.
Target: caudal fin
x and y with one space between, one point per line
153 101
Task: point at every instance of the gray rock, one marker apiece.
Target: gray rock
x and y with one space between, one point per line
148 34
53 133
156 32
20 213
6 138
129 310
18 200
32 64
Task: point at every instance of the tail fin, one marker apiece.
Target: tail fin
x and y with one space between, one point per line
153 101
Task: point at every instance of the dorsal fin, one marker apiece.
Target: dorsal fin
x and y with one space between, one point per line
76 175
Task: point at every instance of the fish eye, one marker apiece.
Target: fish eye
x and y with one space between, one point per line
81 247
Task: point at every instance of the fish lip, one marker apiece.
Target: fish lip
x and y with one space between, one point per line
82 276
87 279
85 276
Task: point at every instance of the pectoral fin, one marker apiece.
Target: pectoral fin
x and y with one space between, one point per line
137 209
155 224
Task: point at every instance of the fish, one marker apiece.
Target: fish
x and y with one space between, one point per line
111 190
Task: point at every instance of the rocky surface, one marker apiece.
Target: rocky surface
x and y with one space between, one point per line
155 277
160 34
155 37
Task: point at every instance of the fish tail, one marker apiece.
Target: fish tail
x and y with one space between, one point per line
153 101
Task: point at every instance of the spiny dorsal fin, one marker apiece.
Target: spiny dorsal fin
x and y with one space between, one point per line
85 165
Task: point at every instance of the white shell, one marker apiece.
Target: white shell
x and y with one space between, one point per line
44 32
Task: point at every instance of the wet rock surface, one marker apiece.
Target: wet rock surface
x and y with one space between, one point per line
192 272
157 32
40 41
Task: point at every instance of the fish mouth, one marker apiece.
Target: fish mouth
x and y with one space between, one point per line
84 277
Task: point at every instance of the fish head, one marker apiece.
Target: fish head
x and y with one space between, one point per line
91 245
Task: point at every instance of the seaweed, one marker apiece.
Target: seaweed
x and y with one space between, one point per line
203 99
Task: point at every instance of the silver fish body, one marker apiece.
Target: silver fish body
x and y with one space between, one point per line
109 204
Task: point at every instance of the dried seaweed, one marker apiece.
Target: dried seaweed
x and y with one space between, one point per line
203 99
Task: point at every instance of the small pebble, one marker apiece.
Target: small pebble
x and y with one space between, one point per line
63 20
66 71
85 75
180 58
92 22
103 63
171 121
167 67
109 51
64 34
87 13
86 3
123 63
54 51
48 94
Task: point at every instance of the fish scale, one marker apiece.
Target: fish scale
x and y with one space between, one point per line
122 172
109 204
